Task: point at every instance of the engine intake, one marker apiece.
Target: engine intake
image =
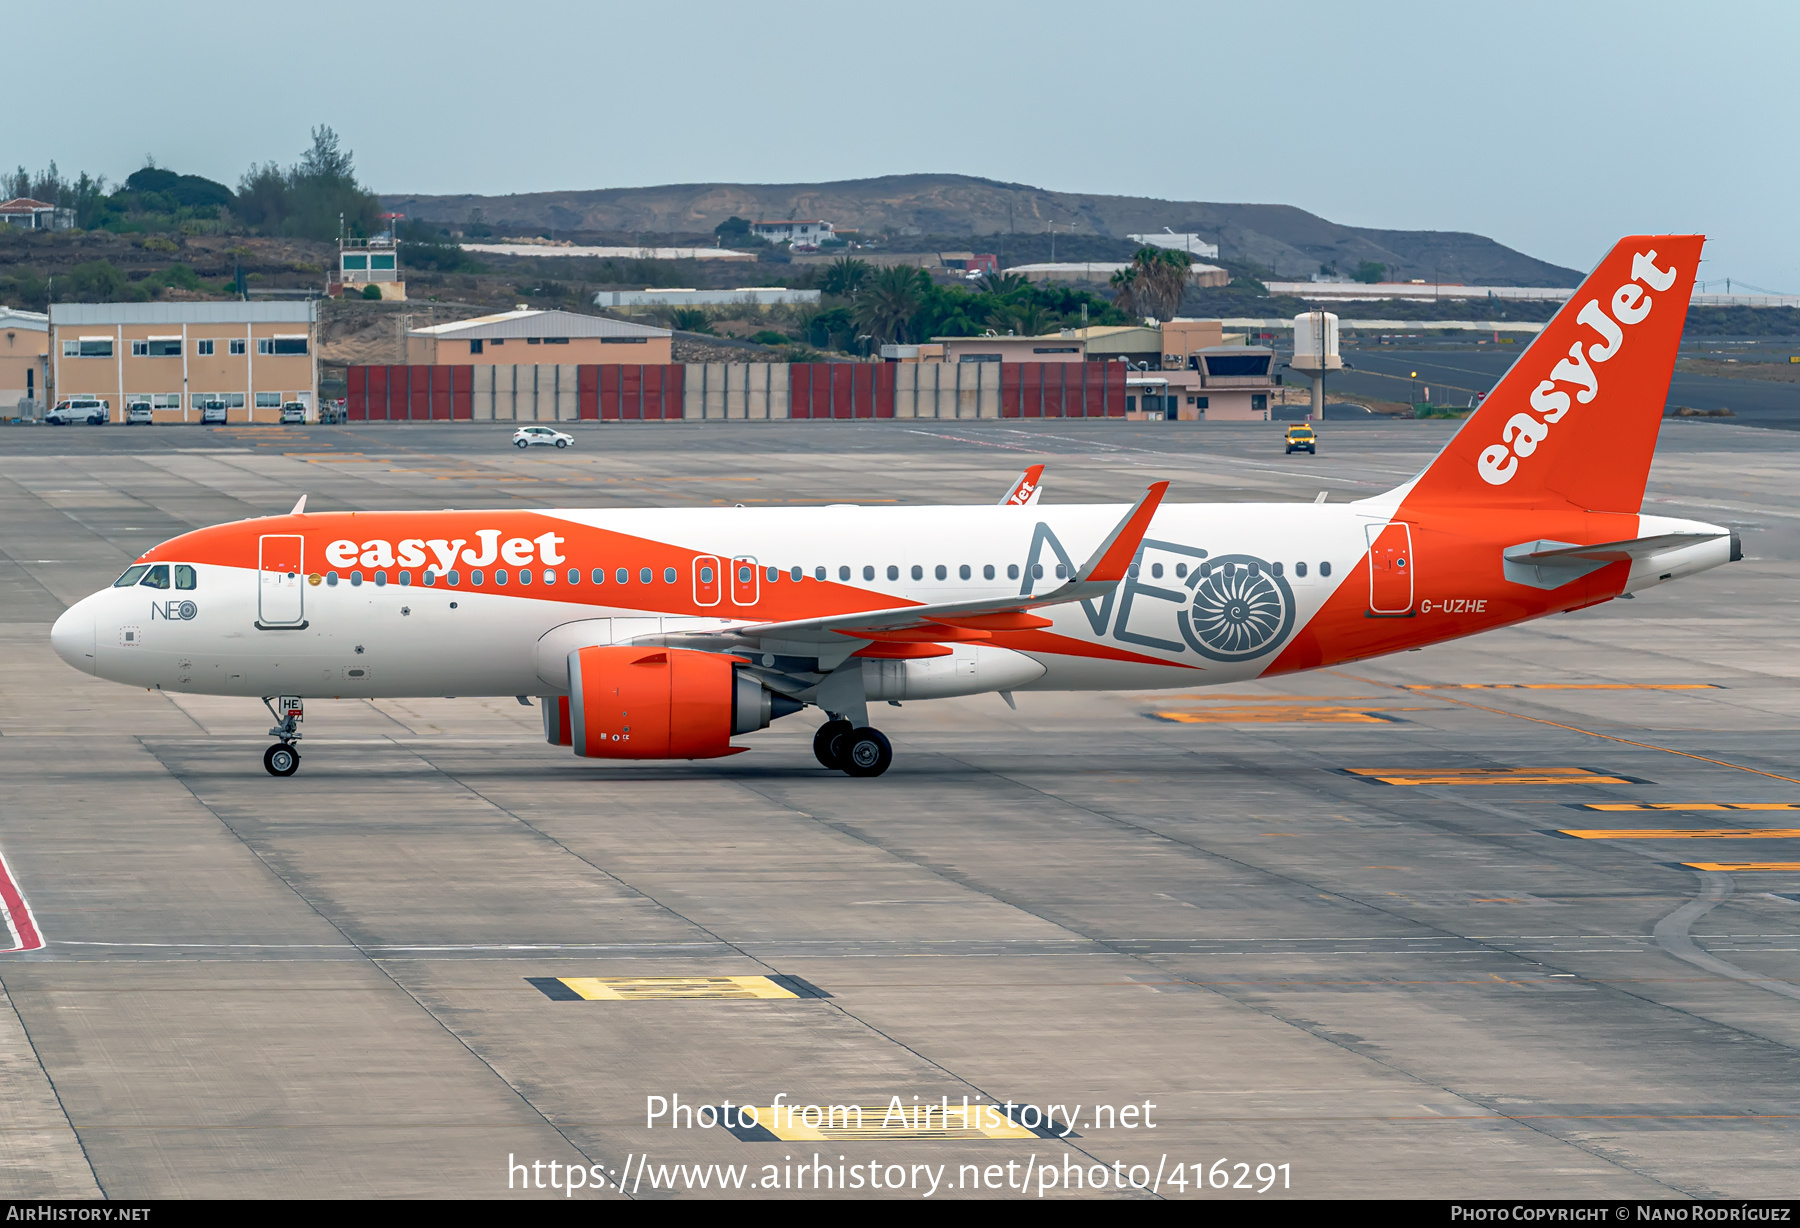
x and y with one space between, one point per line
662 703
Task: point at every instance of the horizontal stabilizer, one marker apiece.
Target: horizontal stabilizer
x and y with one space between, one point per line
1552 564
1541 552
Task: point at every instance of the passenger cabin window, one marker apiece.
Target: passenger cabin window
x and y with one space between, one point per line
156 577
132 576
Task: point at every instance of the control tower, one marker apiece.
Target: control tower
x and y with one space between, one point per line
1315 353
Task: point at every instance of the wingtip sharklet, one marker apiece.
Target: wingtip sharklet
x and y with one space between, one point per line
1110 561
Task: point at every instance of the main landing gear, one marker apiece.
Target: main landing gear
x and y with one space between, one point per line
283 759
857 752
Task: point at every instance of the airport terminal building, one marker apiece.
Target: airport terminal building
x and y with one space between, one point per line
176 357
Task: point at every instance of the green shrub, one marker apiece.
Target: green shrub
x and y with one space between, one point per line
371 291
769 336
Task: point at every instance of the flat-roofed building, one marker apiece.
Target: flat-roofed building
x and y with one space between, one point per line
808 232
1237 383
1192 244
24 361
1100 272
527 336
177 357
756 296
1052 347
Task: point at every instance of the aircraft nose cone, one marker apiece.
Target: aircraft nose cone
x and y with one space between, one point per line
73 636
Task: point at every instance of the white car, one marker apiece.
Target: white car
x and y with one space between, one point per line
138 413
525 436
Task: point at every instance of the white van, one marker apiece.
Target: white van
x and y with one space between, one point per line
91 410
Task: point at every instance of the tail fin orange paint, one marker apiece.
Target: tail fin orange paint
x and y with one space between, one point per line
1574 422
1025 488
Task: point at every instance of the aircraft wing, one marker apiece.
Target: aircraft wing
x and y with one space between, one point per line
1025 488
959 621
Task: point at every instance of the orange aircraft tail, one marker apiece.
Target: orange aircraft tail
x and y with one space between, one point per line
1574 422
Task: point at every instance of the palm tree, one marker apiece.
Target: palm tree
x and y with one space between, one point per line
1003 285
888 301
1024 319
1157 280
844 276
1125 290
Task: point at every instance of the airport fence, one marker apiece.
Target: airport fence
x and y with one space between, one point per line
571 392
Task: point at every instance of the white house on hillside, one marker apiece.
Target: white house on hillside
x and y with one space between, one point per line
801 234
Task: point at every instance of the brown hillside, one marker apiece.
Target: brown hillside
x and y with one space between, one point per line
1289 240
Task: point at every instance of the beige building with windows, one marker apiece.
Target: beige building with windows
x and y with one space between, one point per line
24 360
177 357
527 336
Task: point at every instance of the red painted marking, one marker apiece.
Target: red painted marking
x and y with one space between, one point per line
19 920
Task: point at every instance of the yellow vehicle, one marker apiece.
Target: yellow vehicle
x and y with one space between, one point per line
1300 436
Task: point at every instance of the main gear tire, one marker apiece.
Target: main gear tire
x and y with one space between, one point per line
867 752
828 743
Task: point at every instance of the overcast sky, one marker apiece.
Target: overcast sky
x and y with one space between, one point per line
1552 127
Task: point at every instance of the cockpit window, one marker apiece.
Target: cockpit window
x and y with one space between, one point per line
184 576
157 577
132 576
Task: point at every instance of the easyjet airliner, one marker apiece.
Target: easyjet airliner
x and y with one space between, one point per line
662 634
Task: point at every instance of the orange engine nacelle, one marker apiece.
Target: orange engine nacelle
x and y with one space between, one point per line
655 703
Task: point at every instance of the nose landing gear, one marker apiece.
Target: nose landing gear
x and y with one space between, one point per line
283 759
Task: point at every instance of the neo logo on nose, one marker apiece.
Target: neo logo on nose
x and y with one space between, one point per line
173 610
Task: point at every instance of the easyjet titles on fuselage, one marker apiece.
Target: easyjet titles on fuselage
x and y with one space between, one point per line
411 551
